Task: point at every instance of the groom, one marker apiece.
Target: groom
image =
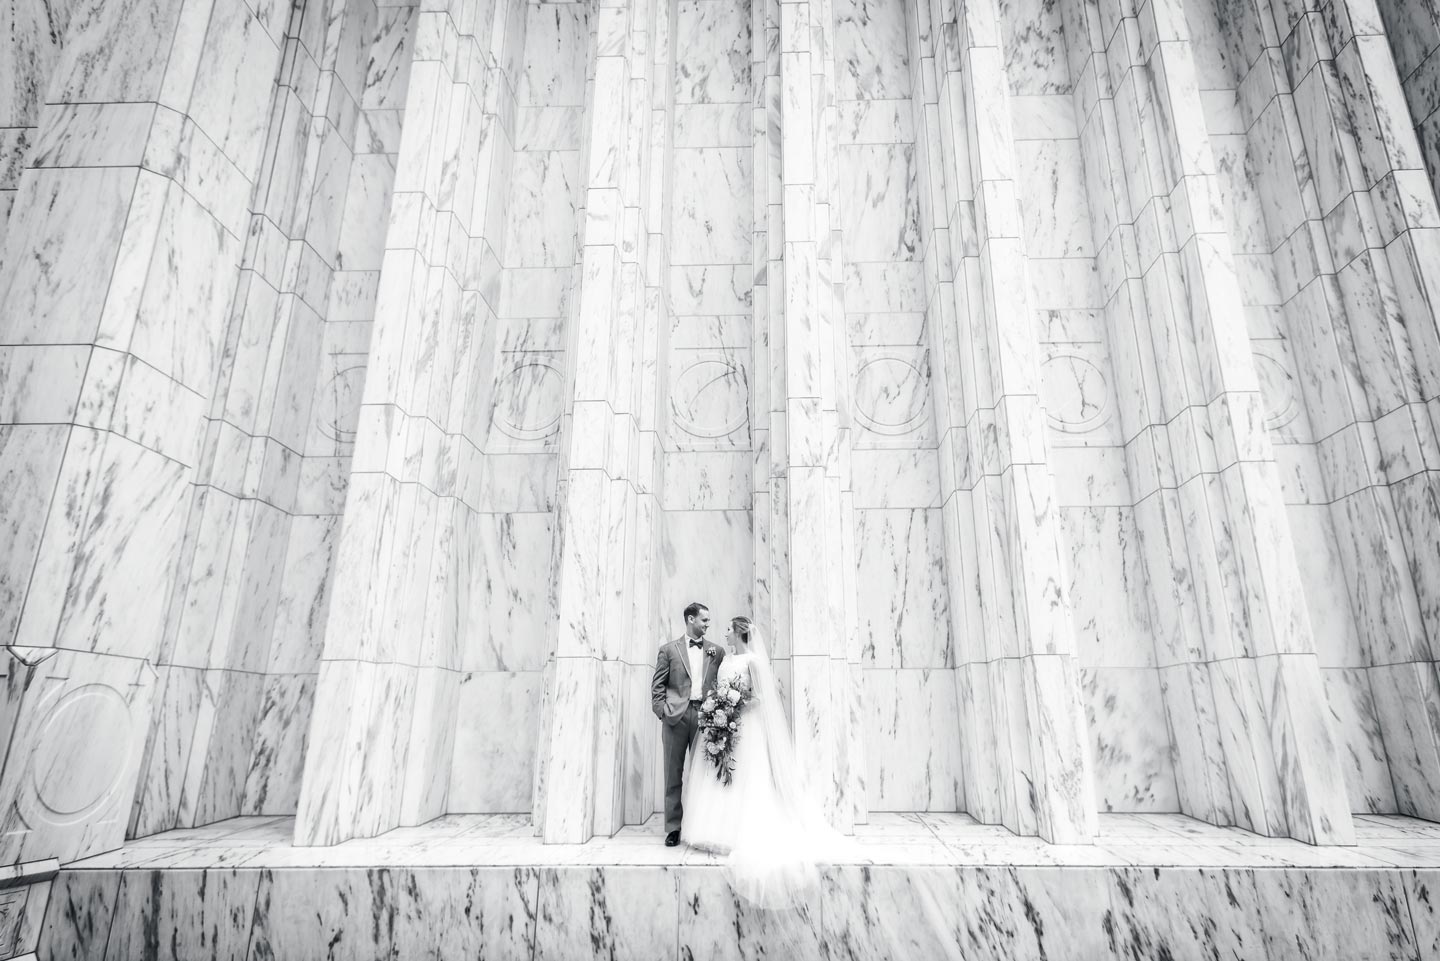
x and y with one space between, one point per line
685 671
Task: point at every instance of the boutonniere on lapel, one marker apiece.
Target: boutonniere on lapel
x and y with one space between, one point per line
709 652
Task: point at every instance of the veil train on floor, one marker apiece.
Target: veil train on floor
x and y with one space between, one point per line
785 837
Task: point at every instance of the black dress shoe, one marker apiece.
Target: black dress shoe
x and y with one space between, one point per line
672 839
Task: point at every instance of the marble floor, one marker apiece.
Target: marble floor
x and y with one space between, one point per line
921 886
490 840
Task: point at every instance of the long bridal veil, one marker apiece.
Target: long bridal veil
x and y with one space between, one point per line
783 833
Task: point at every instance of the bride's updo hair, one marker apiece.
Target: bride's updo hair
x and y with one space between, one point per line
741 625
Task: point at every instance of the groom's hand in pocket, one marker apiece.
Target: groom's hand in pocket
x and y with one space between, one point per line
658 684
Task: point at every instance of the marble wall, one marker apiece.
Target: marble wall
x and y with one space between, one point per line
983 912
378 380
121 263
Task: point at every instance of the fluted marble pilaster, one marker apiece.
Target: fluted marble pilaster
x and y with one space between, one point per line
808 437
120 263
245 621
1233 633
592 757
1025 759
385 718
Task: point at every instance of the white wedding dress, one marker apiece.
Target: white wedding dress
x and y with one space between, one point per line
771 830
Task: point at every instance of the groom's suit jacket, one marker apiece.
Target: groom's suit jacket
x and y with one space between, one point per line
670 688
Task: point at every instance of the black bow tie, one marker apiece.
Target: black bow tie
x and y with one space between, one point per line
697 644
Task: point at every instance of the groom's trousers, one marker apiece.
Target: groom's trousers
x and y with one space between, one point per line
677 739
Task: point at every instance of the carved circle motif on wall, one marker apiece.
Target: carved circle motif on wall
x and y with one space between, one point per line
528 404
890 395
710 398
79 756
1077 398
346 385
1277 390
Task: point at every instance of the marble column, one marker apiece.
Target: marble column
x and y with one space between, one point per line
592 747
809 559
380 744
1234 641
245 621
1024 751
1361 281
120 262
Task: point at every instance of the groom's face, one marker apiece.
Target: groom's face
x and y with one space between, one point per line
698 624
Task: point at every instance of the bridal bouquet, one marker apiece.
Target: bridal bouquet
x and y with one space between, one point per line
720 726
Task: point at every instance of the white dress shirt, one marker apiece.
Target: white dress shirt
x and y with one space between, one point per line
697 669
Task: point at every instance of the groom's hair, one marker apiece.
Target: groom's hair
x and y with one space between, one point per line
693 609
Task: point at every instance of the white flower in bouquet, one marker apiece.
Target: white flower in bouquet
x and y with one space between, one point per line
733 696
709 704
734 725
720 718
712 748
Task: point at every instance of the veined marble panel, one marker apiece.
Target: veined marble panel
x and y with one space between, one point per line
1363 753
880 213
505 572
908 768
711 289
895 478
30 463
334 409
213 917
555 54
277 754
84 930
469 912
177 322
361 242
871 61
168 750
391 46
75 755
884 287
902 598
1322 573
891 395
712 51
1049 176
705 556
713 124
111 55
1129 739
514 482
710 396
1109 587
92 584
712 214
549 128
875 122
55 298
229 713
1402 695
1033 44
698 480
540 224
528 401
496 739
232 95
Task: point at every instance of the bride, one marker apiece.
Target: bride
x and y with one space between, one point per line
771 830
